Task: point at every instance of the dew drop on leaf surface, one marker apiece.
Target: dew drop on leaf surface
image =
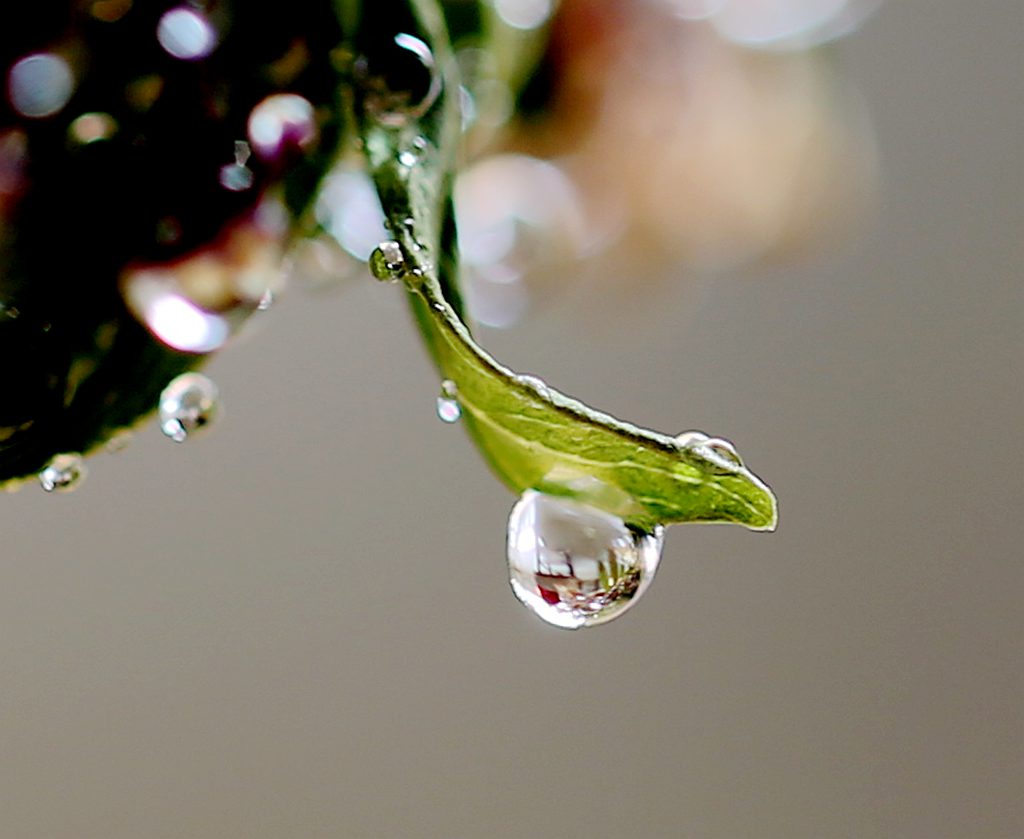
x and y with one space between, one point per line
714 453
574 565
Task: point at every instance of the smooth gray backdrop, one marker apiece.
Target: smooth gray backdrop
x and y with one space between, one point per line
300 627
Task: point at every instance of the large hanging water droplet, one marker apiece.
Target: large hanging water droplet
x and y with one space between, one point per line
574 565
187 405
387 262
63 473
448 408
399 79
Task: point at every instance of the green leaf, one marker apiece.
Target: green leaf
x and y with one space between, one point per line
532 435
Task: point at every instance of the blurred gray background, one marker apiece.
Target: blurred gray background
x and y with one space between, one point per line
300 626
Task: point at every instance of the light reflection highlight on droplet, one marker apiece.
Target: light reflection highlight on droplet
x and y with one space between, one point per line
186 33
40 85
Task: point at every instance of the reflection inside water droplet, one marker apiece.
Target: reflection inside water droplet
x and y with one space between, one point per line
574 565
63 473
187 405
448 408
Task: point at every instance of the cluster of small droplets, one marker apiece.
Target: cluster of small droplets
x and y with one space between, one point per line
187 405
448 408
574 565
63 473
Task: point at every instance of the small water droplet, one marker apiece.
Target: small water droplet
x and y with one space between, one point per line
187 405
63 473
387 262
448 408
725 449
574 565
717 455
536 384
407 158
399 79
689 439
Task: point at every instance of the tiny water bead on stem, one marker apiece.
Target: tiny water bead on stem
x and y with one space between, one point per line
188 405
63 473
448 408
387 263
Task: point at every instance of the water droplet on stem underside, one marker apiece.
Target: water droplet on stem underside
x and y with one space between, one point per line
187 405
448 408
63 473
387 262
